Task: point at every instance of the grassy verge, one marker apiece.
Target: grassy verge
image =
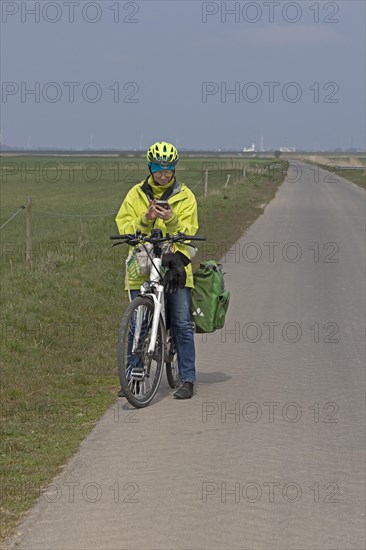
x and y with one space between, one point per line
330 159
356 176
59 322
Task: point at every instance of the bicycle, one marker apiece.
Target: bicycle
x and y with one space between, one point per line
145 343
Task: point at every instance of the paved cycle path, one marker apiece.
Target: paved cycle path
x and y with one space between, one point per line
269 452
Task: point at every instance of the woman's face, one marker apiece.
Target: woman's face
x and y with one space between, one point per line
163 176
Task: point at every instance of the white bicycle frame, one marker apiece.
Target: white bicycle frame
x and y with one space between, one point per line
159 307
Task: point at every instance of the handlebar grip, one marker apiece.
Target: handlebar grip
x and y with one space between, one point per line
193 238
116 237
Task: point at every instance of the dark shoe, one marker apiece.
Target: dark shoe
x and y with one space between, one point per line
121 393
185 391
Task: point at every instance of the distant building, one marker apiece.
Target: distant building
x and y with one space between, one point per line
288 149
252 149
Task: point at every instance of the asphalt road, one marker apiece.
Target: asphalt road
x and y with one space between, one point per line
269 454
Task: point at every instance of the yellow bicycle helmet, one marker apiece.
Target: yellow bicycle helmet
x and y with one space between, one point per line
162 153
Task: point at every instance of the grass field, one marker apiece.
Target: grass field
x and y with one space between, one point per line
339 159
332 164
356 176
59 322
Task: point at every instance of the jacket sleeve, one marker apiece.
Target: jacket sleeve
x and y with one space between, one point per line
131 215
185 219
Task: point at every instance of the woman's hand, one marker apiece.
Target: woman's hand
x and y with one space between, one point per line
156 211
163 213
151 212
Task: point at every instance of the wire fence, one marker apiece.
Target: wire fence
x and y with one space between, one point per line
62 215
211 182
13 216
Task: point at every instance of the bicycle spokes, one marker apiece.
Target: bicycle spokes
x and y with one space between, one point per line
140 370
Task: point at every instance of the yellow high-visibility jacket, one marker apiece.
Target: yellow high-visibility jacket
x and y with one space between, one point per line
131 217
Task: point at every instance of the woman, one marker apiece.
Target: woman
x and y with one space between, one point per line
140 211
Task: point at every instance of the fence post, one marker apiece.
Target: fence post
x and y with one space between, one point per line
206 181
28 234
245 168
227 181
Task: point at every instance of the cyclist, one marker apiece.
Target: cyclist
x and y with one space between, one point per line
139 211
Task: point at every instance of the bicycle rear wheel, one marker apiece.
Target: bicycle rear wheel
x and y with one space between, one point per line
172 370
139 372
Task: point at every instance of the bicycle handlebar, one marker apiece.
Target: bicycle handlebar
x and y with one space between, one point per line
135 239
120 237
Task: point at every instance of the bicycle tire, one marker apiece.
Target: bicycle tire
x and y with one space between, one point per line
172 369
139 374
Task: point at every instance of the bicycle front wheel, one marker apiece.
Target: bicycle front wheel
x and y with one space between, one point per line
139 372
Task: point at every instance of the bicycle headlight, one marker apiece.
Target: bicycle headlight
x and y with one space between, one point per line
145 288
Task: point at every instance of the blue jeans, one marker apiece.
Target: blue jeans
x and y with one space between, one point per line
179 321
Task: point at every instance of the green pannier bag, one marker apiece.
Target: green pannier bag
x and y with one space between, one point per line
209 299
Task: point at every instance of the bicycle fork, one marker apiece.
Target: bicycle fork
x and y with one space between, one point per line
159 308
140 320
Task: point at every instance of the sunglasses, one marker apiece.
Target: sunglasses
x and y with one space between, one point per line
161 173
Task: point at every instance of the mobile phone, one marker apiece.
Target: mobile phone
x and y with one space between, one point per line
163 204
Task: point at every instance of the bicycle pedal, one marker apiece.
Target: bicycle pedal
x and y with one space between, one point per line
137 374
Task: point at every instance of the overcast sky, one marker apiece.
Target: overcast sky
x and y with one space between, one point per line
126 74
